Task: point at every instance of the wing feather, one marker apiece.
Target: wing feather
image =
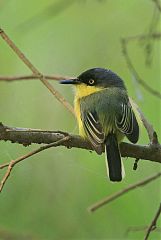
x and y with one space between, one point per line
126 122
93 130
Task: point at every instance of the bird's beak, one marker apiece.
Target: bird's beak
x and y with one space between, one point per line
70 81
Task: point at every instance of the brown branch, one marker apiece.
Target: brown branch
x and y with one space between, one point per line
53 139
35 71
135 73
118 194
150 130
29 136
153 224
138 229
14 162
148 126
31 77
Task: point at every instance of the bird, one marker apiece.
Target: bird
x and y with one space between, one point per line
105 115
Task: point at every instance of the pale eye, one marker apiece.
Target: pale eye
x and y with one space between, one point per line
91 82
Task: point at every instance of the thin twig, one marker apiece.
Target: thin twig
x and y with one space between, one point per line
148 126
31 77
135 73
140 37
153 224
118 194
150 130
14 162
138 229
35 71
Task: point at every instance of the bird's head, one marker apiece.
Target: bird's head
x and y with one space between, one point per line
95 79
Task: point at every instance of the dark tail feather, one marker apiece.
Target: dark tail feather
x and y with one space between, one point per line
113 158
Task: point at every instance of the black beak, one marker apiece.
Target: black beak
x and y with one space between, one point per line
70 81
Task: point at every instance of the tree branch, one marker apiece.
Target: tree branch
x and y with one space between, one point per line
153 224
138 229
131 66
140 37
148 126
14 162
118 194
31 77
35 71
29 136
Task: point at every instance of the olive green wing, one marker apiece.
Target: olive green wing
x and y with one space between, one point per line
93 130
126 122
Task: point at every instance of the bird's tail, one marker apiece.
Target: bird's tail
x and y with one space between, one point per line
115 168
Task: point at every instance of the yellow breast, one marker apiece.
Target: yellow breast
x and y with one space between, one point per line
82 90
78 116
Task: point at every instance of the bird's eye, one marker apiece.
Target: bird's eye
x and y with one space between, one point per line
91 81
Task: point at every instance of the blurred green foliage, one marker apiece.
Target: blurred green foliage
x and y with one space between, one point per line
47 196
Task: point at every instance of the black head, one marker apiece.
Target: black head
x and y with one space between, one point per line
98 77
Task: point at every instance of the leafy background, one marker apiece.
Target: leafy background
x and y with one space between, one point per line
47 196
